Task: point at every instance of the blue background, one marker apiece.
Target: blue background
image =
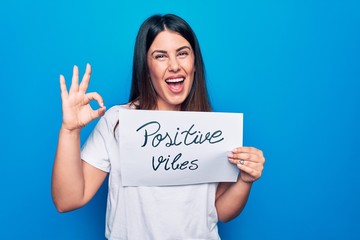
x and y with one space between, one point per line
292 68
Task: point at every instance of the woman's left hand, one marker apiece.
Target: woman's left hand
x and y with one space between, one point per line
250 161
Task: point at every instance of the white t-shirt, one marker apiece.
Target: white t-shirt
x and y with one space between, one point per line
144 213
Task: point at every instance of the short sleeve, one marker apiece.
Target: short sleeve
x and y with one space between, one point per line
94 150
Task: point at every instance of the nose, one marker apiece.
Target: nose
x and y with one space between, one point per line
173 65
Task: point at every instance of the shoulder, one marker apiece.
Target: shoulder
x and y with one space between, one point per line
111 117
113 112
109 122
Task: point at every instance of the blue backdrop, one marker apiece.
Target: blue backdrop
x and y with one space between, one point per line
292 68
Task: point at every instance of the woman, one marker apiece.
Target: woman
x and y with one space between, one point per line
168 74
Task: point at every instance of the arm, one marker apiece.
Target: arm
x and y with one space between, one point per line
75 182
232 197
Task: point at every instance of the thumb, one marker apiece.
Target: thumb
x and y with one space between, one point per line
98 113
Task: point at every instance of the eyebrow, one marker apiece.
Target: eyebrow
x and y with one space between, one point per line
177 50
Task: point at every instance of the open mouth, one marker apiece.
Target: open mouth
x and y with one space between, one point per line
175 84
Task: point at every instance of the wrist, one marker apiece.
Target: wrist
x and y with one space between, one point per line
245 181
67 131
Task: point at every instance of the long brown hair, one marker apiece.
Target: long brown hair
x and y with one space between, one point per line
142 94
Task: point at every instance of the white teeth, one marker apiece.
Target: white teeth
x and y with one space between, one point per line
174 80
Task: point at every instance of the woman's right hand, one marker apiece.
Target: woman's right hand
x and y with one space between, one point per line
76 109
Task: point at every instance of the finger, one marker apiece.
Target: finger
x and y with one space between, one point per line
247 150
245 156
244 162
250 150
94 96
257 166
75 80
253 165
234 161
86 78
63 90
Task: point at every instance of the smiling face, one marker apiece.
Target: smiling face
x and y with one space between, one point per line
171 66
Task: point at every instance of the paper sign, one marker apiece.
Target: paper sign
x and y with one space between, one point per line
177 147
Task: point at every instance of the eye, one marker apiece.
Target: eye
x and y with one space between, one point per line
160 56
183 53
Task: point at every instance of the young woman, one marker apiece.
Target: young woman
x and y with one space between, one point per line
168 74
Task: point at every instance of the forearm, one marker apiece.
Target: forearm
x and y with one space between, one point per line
232 201
67 179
